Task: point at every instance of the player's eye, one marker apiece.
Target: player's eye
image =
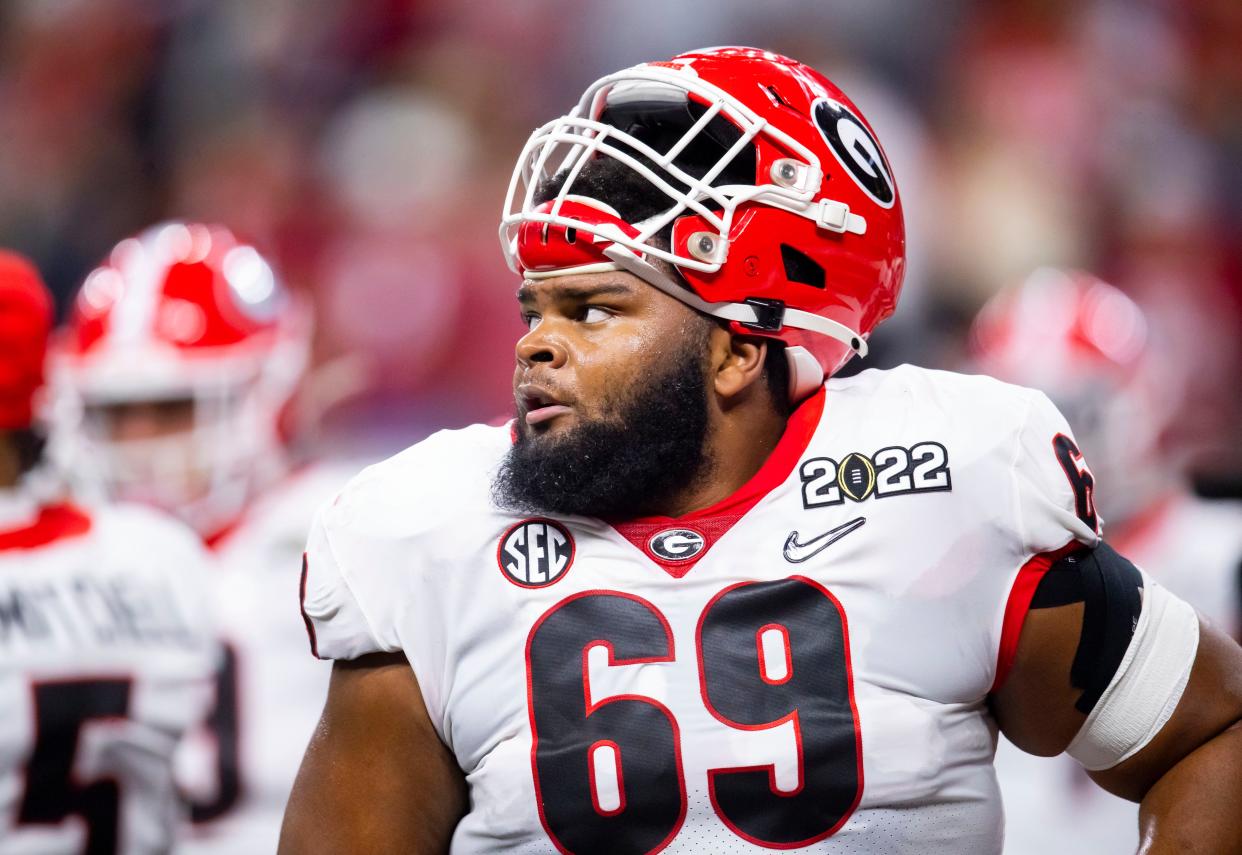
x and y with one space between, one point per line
594 314
530 321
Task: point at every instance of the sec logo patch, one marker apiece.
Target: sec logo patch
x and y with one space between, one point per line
535 553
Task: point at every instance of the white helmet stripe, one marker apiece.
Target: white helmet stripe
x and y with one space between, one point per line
134 317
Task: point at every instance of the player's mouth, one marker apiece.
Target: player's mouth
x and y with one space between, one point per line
538 405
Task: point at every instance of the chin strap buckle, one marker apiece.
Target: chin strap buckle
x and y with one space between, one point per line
769 315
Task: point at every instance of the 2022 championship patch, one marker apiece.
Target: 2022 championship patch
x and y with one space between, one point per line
892 471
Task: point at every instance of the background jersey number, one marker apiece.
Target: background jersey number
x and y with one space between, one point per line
769 653
53 791
223 724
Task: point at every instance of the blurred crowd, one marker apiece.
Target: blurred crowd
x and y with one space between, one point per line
366 146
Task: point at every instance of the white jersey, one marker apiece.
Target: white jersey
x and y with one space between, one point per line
106 657
1193 548
804 665
270 692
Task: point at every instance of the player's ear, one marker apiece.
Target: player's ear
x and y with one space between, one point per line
737 362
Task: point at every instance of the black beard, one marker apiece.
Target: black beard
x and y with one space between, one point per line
627 466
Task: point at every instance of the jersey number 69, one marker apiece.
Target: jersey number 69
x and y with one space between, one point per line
637 739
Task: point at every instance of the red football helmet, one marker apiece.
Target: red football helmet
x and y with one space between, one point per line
183 312
1058 329
25 319
1087 346
785 217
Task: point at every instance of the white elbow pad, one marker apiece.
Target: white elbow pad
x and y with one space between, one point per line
1147 685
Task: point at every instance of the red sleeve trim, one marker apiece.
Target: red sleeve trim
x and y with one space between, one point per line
310 627
1020 595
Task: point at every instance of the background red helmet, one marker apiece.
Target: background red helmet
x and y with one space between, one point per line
1088 346
25 319
785 217
181 312
1061 328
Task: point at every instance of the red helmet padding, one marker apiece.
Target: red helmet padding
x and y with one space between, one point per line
545 246
25 320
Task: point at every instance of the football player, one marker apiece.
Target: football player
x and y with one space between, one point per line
700 599
181 354
1089 347
106 657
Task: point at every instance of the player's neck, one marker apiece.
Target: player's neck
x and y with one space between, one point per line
739 442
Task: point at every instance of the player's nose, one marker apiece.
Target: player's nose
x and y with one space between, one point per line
539 347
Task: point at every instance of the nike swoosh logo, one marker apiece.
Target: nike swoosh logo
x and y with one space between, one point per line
796 553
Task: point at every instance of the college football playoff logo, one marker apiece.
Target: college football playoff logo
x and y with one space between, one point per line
535 553
856 477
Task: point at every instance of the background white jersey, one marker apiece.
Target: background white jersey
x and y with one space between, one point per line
271 692
105 659
1192 547
804 665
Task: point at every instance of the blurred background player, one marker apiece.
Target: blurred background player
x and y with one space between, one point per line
105 656
1091 349
174 385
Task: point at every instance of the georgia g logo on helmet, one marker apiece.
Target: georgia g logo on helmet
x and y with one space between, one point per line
855 149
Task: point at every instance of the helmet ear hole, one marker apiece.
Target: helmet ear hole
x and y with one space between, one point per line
805 373
800 267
